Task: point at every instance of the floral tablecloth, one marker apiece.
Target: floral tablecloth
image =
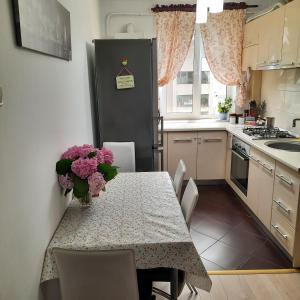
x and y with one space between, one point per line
138 211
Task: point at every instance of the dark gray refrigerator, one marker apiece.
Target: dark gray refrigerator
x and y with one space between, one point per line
130 114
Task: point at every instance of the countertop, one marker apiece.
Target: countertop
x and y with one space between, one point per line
290 159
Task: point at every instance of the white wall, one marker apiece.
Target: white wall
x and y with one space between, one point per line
46 109
281 91
143 23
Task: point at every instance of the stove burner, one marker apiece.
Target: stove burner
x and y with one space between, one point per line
264 133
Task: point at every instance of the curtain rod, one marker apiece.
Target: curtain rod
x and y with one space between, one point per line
192 7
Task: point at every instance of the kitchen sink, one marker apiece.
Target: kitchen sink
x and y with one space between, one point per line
292 146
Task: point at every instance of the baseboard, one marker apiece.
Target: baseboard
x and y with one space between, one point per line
253 272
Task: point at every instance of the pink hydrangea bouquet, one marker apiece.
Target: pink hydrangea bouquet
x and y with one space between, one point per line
85 170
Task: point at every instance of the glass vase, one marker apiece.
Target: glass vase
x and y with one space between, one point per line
85 201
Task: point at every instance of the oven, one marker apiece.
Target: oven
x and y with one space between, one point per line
240 152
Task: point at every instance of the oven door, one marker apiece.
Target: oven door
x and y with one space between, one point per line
239 170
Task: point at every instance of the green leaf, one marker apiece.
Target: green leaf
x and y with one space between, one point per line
109 172
92 154
81 187
63 166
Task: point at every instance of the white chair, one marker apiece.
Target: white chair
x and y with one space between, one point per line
90 275
189 201
188 204
178 178
124 155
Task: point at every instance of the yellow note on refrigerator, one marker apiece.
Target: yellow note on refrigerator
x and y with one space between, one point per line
125 82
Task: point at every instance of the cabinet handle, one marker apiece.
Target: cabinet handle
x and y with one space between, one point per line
292 64
267 167
187 140
254 159
280 205
284 179
274 62
279 231
215 140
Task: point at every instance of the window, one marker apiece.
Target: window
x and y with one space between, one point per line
194 93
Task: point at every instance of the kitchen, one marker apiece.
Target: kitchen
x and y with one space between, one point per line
187 182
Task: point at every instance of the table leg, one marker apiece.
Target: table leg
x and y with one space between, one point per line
174 284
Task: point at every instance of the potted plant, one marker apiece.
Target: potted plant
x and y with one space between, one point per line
224 108
85 170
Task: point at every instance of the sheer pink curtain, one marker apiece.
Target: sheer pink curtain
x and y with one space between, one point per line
174 31
223 44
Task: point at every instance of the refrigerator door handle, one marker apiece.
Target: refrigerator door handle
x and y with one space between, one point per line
161 151
161 121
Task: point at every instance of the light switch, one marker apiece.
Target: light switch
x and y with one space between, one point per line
1 96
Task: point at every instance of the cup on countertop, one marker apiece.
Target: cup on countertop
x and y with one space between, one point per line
241 120
232 119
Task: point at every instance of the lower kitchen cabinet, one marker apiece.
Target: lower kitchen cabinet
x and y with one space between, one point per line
182 145
204 153
211 155
285 223
228 157
260 186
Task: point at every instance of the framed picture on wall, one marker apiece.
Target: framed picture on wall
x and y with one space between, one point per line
43 26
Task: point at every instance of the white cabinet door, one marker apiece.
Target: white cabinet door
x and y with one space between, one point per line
228 157
182 145
291 34
253 183
260 186
211 156
275 35
251 33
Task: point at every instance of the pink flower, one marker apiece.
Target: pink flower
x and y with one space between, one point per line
78 151
86 149
65 182
96 184
100 157
108 156
84 167
72 153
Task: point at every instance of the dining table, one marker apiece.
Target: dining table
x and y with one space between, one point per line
138 211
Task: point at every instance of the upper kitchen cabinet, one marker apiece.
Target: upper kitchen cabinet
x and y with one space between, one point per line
291 35
251 33
270 38
211 156
249 58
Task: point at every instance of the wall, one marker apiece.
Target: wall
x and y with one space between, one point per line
46 109
145 23
281 90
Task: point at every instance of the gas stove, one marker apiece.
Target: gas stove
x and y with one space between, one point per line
264 133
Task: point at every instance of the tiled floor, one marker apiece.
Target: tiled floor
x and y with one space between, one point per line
227 237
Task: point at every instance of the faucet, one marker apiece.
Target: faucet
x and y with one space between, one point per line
294 122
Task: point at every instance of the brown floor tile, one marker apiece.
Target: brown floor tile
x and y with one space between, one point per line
243 240
258 263
273 254
210 266
209 226
201 241
225 256
228 237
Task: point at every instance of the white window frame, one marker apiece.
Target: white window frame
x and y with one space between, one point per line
167 105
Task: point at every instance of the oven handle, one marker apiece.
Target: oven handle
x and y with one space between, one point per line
240 156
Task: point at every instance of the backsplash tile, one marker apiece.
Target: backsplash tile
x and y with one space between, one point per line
281 91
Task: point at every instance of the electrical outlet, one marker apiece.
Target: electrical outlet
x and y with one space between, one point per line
1 96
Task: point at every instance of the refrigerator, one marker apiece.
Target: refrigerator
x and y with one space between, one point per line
129 114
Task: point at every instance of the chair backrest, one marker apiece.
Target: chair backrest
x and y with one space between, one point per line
92 275
124 155
179 177
189 200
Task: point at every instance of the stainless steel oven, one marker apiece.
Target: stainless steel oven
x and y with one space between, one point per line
240 164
